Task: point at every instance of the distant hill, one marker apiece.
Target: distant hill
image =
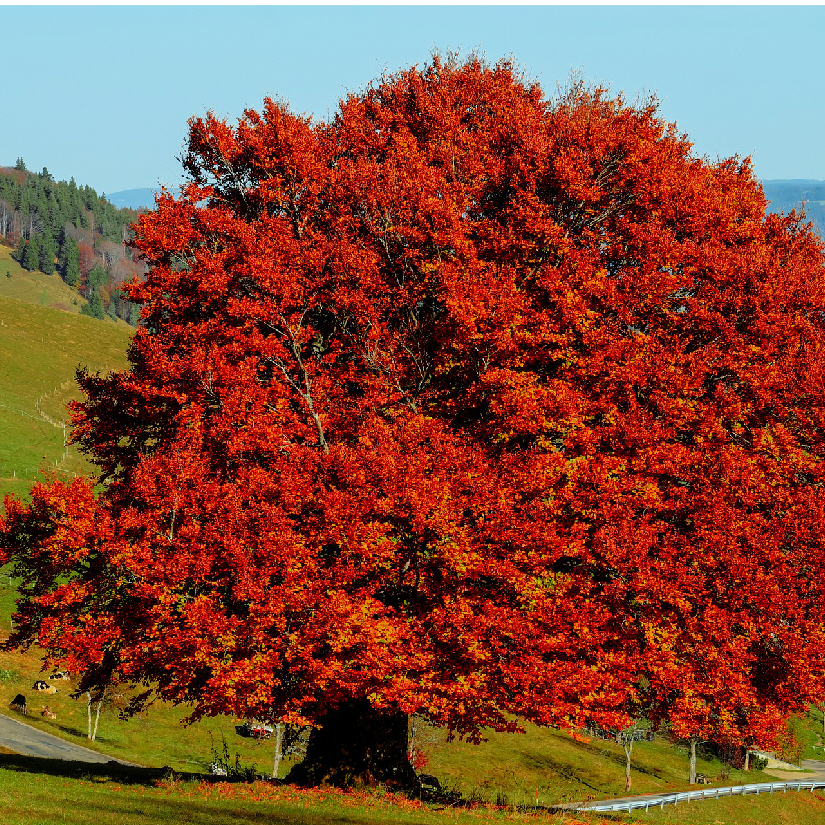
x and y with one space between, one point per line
136 198
58 225
133 198
784 195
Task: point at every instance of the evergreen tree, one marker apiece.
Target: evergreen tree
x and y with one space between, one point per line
69 261
95 306
31 254
96 278
47 253
20 166
19 250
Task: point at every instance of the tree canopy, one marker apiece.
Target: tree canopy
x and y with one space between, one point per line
466 402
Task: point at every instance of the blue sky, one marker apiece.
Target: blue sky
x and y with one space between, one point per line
104 93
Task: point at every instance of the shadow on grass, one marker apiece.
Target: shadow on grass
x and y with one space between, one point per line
98 771
155 810
571 773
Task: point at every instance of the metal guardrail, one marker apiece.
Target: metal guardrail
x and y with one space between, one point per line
706 793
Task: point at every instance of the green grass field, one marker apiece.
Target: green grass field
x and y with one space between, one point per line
35 793
40 349
36 287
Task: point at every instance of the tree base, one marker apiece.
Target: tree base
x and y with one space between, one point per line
356 746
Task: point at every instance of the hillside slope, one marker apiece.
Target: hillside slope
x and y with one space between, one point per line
40 349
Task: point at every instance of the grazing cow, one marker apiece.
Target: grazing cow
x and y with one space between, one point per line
19 703
58 675
48 713
40 685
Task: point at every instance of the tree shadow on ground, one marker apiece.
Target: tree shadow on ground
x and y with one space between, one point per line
564 769
98 771
200 812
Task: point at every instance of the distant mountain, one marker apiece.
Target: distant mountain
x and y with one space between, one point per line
133 198
137 198
784 195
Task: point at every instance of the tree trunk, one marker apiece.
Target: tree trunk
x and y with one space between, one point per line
628 750
692 773
97 715
279 749
747 758
91 732
357 745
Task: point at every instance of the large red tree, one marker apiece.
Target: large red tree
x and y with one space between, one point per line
465 402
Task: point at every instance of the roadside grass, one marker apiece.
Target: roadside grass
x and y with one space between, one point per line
66 794
514 768
791 808
40 349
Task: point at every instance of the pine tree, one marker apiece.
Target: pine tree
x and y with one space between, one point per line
31 254
96 278
46 254
95 307
19 251
69 261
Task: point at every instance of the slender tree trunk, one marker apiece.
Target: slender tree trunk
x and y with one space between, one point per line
91 732
628 750
279 749
97 715
747 758
692 773
357 745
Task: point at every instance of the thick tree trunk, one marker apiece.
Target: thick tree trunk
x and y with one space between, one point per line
356 745
692 772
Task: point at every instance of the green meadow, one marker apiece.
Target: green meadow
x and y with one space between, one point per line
40 349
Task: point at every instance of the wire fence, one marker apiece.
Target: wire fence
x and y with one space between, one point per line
659 801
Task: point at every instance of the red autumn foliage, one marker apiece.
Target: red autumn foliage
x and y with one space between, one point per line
86 257
466 403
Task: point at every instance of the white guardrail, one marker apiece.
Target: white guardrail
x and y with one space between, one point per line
689 796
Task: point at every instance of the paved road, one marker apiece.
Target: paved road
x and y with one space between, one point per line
29 741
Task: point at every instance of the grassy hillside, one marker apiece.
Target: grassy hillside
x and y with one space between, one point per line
59 796
35 287
40 348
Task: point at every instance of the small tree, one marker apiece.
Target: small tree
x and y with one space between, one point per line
94 698
627 737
